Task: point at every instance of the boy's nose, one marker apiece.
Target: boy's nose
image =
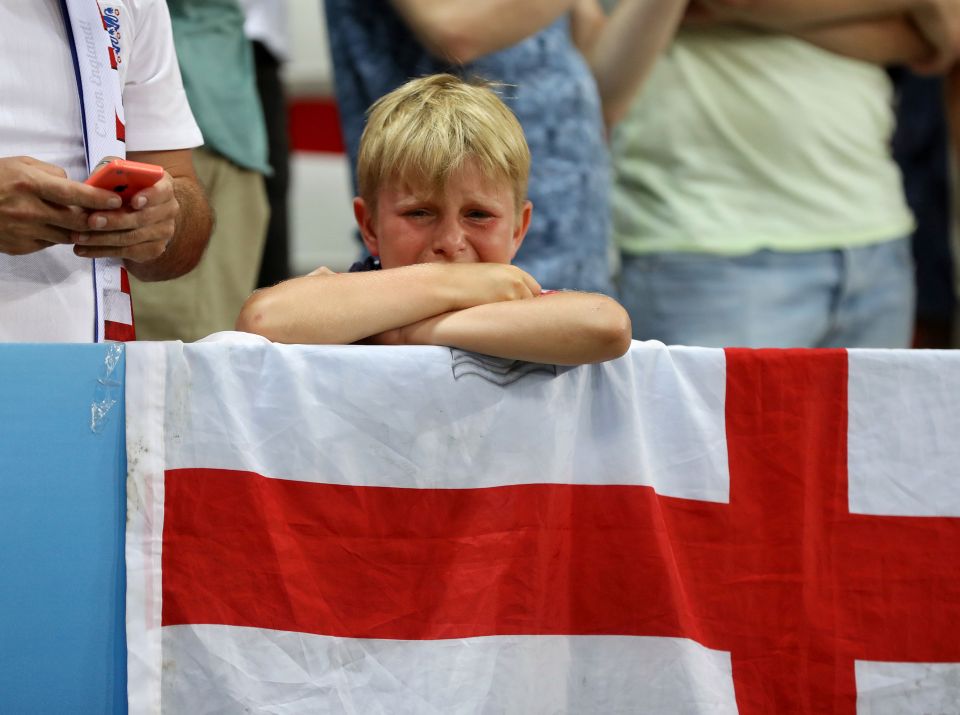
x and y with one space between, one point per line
449 240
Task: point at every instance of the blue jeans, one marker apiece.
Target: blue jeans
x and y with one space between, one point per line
855 297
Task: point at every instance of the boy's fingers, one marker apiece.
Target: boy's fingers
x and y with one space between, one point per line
529 281
532 285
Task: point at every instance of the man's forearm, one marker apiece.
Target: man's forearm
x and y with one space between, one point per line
460 31
192 231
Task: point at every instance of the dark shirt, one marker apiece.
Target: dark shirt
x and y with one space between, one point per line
370 263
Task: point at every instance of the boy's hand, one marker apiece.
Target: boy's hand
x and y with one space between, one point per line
423 332
477 284
482 283
418 333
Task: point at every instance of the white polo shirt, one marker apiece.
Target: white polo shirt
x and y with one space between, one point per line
48 296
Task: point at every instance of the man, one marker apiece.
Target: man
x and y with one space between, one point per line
51 224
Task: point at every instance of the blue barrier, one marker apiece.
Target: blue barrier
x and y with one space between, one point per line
62 512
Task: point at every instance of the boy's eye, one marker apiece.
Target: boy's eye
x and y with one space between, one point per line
416 213
478 214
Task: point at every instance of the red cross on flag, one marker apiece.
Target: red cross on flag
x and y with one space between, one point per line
411 530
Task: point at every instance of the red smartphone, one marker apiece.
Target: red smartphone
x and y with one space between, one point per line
125 177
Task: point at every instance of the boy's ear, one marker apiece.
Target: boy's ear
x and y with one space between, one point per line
365 222
523 224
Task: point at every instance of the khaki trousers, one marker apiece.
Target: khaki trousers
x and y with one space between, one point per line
208 299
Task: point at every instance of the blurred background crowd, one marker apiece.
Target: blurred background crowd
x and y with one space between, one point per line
737 172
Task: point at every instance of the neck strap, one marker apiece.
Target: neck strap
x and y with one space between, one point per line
94 37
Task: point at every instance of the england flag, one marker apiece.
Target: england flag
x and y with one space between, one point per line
363 529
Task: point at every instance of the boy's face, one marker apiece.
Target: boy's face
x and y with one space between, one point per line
472 220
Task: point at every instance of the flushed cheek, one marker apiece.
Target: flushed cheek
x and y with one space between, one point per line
405 240
494 249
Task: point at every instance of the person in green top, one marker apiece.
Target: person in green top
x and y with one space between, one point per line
757 202
216 62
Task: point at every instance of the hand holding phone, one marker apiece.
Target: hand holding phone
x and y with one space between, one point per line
126 178
141 229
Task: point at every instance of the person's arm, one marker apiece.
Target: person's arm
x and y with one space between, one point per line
924 33
940 25
338 309
40 206
622 48
794 14
163 233
891 41
565 328
460 31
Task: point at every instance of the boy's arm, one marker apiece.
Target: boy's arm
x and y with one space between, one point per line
565 328
337 309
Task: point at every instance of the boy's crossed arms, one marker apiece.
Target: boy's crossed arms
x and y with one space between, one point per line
442 173
490 308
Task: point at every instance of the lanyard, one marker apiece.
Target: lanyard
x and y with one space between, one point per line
95 48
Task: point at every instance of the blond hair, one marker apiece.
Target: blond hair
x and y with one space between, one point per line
430 127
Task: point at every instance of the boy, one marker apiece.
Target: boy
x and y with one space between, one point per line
442 174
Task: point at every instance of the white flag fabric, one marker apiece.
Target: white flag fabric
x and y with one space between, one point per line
365 529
